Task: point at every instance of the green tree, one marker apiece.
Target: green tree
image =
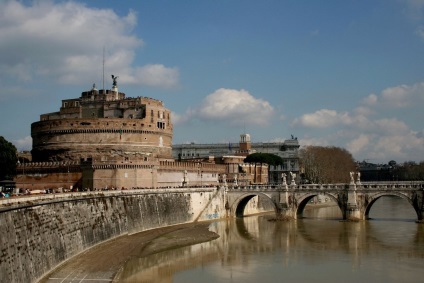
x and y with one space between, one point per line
326 164
8 159
268 158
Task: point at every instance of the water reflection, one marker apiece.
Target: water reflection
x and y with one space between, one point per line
316 248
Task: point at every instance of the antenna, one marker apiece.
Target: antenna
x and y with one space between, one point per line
103 87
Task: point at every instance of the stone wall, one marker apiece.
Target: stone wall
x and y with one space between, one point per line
44 181
39 233
113 139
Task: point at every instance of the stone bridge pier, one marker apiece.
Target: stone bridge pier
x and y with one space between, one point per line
354 200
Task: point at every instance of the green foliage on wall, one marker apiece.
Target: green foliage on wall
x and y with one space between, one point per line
8 159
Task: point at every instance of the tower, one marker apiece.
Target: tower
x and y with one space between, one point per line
245 143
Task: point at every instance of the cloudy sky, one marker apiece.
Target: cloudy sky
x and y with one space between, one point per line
341 73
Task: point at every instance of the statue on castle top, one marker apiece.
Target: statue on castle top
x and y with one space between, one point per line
115 81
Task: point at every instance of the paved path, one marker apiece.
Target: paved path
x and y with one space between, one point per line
102 262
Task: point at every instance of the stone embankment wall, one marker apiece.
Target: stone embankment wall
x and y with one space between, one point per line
39 233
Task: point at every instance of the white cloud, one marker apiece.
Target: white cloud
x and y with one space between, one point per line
238 107
24 143
320 119
358 144
157 75
370 100
397 96
374 130
391 126
363 111
178 119
403 95
64 42
403 147
326 118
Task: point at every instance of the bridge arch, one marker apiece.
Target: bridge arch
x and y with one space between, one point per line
371 199
239 204
305 199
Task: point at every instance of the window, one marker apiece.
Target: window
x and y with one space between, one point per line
161 125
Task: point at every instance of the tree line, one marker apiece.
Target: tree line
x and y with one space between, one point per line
8 159
326 165
407 171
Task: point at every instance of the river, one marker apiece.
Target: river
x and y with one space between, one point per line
316 248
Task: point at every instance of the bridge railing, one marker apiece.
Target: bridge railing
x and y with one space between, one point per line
391 185
408 185
290 187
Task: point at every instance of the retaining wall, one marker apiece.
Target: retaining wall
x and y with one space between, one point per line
38 233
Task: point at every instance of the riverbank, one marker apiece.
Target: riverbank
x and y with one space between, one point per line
320 205
105 261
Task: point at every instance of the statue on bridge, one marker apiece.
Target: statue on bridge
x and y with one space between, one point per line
352 177
224 179
293 178
284 179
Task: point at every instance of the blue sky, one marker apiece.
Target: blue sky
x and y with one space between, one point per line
332 73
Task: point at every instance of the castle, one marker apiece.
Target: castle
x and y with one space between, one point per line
105 126
105 140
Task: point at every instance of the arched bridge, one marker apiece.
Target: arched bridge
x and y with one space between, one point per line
354 200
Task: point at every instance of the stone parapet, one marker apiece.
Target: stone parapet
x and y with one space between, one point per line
41 232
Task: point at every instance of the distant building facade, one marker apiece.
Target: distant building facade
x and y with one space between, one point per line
287 150
371 172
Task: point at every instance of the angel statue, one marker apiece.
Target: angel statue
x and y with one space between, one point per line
115 82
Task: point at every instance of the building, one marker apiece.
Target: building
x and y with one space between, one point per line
287 150
104 126
105 140
371 172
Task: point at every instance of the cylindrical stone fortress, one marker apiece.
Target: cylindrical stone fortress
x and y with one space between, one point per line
106 127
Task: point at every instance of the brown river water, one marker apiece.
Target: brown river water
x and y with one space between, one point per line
316 248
